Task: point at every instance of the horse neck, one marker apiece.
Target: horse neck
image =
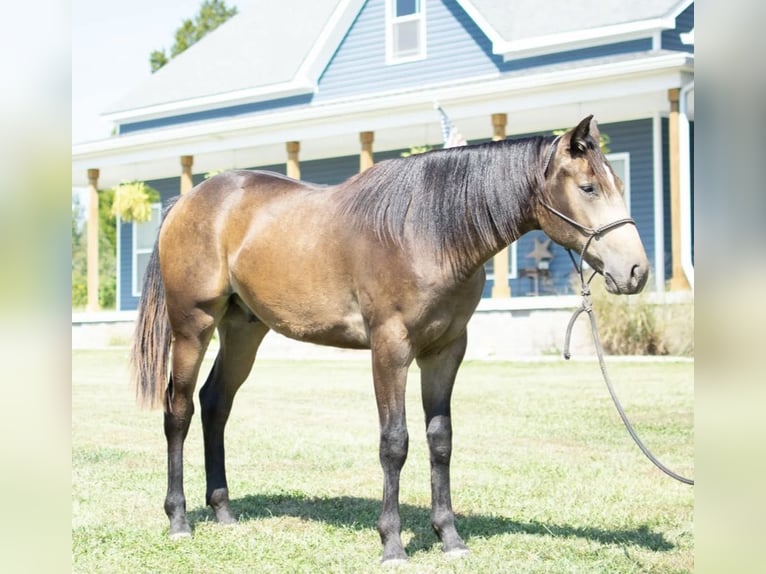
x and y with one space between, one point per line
499 182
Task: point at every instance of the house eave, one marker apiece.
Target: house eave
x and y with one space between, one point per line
390 110
575 40
295 87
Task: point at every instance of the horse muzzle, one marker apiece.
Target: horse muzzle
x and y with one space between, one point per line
630 281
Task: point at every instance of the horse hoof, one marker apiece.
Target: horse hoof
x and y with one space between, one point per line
393 562
180 535
457 553
225 518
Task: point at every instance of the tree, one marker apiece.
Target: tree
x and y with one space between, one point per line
212 13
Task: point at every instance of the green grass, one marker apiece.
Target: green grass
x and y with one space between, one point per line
544 476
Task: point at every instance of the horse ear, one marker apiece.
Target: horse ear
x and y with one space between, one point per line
578 141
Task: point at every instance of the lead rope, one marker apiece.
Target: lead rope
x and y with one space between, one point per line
587 307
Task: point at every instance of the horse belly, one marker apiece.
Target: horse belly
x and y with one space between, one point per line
301 300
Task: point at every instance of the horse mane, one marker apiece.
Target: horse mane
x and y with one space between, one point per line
460 201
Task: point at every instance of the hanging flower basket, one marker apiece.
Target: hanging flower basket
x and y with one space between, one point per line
133 201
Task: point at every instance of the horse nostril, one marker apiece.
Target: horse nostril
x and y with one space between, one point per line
638 276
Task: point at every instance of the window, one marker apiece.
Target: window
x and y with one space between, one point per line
405 31
620 163
489 266
144 236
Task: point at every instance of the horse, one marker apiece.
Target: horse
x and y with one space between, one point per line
391 260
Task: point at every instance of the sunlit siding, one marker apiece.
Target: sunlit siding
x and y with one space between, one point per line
453 52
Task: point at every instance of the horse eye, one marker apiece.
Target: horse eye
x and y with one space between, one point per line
589 189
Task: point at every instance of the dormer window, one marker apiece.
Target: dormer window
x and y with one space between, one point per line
405 31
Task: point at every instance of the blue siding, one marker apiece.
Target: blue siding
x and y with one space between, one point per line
359 64
671 39
330 171
456 50
218 113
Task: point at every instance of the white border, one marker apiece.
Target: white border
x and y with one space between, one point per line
420 16
135 281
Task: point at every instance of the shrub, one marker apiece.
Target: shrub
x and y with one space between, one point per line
634 325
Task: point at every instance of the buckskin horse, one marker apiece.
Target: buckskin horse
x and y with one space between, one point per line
391 260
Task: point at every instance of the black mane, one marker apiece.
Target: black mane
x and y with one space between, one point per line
461 201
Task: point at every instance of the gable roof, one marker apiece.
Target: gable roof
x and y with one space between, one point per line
273 50
529 27
270 50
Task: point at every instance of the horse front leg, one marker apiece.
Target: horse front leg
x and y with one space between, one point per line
438 371
390 361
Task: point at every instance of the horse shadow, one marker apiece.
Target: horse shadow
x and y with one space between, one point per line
362 514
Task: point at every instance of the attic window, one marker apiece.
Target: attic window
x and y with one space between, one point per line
405 31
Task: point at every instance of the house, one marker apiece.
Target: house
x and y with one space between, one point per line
321 90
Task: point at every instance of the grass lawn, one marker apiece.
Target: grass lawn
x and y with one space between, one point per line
544 476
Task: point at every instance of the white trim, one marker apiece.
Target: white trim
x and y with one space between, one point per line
294 123
135 280
624 157
295 87
117 259
420 16
684 160
659 207
483 24
338 25
680 7
513 263
553 43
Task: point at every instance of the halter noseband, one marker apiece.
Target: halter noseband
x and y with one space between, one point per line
590 232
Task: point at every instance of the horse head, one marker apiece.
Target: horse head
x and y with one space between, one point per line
583 209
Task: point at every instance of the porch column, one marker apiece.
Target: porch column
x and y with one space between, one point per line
365 155
293 164
186 173
92 239
500 261
678 281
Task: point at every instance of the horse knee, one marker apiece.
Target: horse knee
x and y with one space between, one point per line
394 443
439 435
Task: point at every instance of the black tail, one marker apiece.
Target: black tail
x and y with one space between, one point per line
152 337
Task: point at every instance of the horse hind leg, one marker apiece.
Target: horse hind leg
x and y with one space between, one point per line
192 334
438 373
240 335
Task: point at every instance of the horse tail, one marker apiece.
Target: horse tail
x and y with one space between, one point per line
152 336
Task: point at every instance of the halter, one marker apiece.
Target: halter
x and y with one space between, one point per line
587 307
591 232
